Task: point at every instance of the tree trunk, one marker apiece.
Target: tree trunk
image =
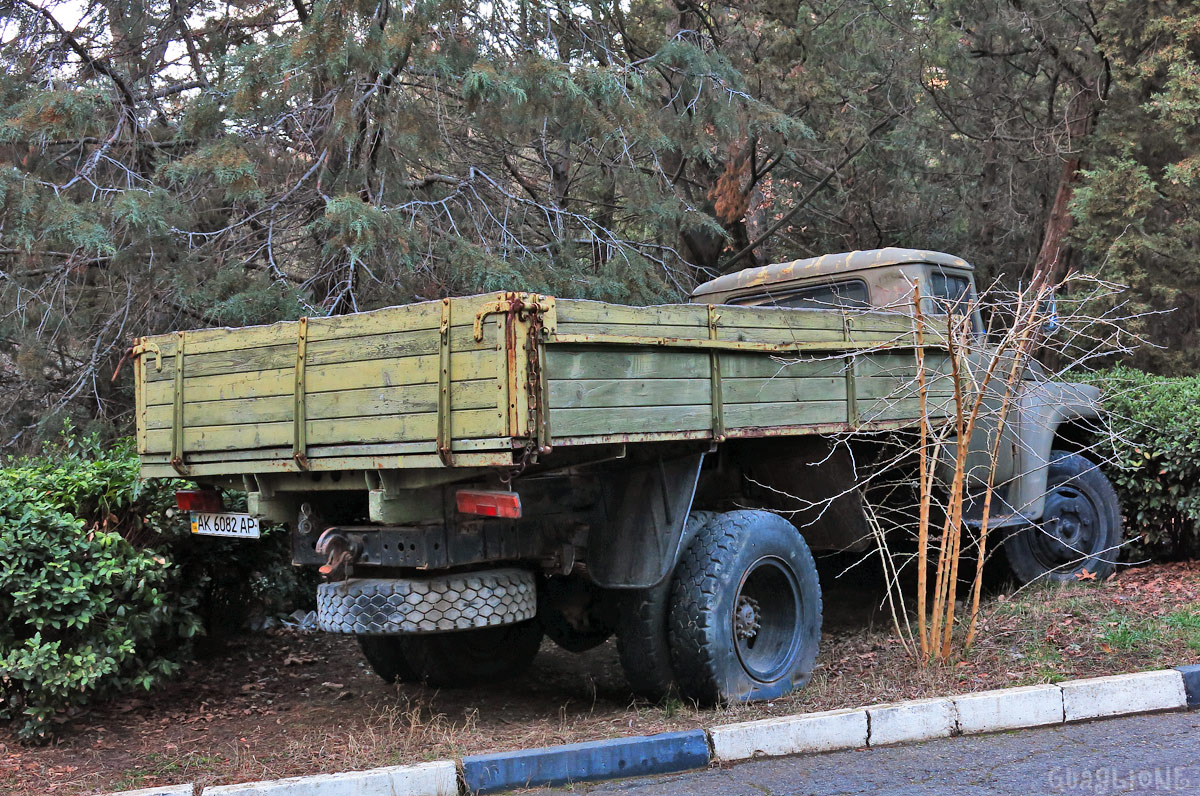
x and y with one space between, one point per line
1055 255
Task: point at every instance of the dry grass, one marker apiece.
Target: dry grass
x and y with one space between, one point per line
287 704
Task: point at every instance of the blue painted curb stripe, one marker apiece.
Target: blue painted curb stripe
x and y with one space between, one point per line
556 765
1191 683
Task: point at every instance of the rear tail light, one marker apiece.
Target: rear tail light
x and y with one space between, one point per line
199 500
489 504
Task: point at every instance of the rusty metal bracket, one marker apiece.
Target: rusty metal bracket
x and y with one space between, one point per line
525 305
444 439
177 410
299 414
714 361
492 308
851 392
539 405
143 346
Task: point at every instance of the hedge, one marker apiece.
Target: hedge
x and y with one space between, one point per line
1154 458
102 588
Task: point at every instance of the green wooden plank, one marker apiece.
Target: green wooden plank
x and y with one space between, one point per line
790 413
643 329
576 393
600 393
766 366
628 420
597 363
893 409
467 424
465 460
323 352
774 390
573 311
584 311
805 318
408 317
604 362
746 334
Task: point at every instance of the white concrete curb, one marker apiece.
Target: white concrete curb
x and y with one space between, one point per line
1123 693
914 720
789 735
423 779
1009 709
966 714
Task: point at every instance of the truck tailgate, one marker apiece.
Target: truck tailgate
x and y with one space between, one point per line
407 386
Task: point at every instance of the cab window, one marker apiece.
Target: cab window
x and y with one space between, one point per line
851 294
951 293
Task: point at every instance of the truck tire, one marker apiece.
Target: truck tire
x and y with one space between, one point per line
745 619
386 657
642 644
384 606
474 657
1080 527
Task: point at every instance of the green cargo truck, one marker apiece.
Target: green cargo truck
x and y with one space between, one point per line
476 473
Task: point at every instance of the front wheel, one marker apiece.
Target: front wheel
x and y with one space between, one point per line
1080 529
745 619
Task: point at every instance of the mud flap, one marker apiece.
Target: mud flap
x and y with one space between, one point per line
646 505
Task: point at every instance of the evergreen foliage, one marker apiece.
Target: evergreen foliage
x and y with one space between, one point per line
168 165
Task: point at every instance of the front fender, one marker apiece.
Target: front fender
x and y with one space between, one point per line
1041 409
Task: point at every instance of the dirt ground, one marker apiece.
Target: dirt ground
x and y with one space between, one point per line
285 703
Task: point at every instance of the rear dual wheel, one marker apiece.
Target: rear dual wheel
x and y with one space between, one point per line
745 620
642 644
740 620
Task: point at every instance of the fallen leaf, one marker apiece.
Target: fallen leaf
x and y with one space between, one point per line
1083 574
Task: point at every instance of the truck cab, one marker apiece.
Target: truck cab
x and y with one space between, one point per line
880 279
1048 421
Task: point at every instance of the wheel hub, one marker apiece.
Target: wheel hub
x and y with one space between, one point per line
745 618
765 619
1071 521
1070 528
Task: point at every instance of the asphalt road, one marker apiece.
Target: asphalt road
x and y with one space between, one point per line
1138 754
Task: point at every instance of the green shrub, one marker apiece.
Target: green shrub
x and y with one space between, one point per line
1154 455
86 613
102 587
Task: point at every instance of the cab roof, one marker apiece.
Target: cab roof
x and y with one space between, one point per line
826 264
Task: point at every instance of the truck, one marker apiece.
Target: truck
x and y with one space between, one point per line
473 475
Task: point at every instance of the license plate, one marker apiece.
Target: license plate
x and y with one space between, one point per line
243 526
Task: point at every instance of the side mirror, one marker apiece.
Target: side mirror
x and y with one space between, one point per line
1048 310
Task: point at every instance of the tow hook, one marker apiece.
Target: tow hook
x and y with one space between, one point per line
340 550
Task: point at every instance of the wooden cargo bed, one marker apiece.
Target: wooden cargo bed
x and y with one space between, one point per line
473 381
